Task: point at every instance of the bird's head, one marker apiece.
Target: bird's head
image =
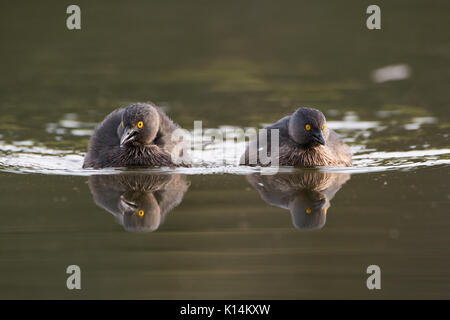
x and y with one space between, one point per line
308 128
139 125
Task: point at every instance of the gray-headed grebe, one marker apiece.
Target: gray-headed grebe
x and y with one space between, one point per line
304 140
138 135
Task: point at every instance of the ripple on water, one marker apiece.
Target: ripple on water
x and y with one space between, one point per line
222 157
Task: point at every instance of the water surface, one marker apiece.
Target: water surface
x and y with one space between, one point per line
217 230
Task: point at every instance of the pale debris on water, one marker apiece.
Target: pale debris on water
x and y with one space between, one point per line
391 73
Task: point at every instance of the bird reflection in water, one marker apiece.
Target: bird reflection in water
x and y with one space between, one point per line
305 194
139 202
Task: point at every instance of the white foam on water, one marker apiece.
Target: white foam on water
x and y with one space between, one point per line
48 161
218 157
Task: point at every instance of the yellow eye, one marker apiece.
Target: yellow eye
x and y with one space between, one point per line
324 127
140 124
308 211
122 124
308 127
141 213
123 212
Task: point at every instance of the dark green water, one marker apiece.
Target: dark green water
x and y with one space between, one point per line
222 231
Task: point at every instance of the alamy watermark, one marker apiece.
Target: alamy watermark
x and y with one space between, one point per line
374 280
73 21
262 148
373 22
74 280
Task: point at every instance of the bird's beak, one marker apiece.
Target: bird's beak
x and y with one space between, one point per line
127 205
127 136
318 137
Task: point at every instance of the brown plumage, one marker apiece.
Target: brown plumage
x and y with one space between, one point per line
304 140
138 135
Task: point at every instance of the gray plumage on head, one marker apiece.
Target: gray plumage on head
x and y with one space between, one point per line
297 126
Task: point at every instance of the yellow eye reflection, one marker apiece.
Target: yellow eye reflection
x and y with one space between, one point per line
324 127
140 124
308 211
308 127
141 213
122 125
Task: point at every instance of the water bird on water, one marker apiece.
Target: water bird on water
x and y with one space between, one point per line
304 140
138 135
